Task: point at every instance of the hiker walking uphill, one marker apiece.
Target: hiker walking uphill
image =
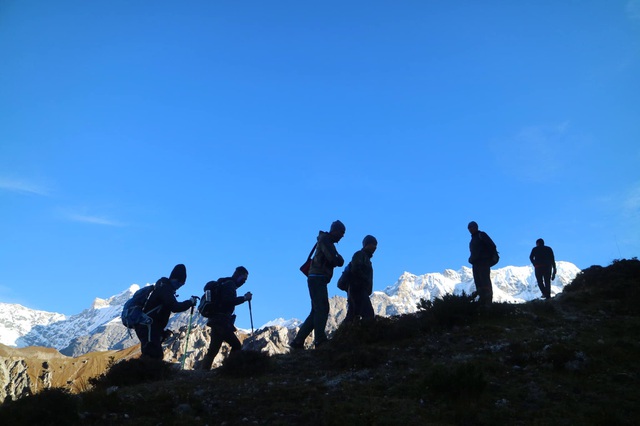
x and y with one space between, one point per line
224 299
483 256
361 281
544 263
159 306
326 258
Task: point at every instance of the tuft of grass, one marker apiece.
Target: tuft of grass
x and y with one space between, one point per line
450 310
134 371
246 364
55 406
379 331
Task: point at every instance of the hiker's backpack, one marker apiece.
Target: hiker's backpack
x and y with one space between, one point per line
307 264
494 256
133 312
345 279
210 299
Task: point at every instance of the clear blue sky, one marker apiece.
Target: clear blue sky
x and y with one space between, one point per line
137 135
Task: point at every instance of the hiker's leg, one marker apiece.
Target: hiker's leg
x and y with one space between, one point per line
367 308
307 326
153 348
540 280
482 279
546 276
231 338
320 302
214 347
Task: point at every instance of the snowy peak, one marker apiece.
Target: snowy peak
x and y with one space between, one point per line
512 284
17 320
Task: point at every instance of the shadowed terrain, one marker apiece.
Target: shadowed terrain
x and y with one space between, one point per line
565 361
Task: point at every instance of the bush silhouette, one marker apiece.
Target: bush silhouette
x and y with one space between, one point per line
246 364
450 310
55 406
133 371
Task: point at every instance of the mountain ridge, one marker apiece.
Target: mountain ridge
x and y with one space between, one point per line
98 328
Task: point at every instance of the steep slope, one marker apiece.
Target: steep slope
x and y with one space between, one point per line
568 360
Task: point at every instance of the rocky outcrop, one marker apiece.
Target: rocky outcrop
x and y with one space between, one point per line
29 370
14 379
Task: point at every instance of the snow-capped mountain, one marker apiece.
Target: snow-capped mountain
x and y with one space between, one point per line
17 321
511 284
98 328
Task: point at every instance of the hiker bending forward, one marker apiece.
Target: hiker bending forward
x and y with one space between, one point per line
162 302
223 319
361 283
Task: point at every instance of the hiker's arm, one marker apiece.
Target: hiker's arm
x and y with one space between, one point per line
175 306
229 296
331 254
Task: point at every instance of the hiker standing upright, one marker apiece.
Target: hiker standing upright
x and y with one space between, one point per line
482 249
361 282
544 263
162 302
222 321
326 258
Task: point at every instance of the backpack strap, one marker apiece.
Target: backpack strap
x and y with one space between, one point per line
311 252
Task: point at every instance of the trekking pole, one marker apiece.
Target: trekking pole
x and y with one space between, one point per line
251 316
186 345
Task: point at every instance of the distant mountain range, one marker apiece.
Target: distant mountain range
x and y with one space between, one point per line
98 328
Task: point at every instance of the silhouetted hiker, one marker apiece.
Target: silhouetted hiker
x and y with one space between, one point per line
544 263
161 303
222 320
482 249
326 258
361 281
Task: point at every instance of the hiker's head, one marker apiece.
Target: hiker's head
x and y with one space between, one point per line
337 230
240 275
178 275
370 244
472 227
539 242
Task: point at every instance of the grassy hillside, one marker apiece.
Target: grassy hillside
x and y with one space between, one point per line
570 360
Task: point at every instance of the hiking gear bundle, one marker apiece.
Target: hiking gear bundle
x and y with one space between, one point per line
133 312
494 256
209 300
345 279
307 265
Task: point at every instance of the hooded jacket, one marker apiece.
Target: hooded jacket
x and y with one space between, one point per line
326 256
164 296
362 271
481 247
